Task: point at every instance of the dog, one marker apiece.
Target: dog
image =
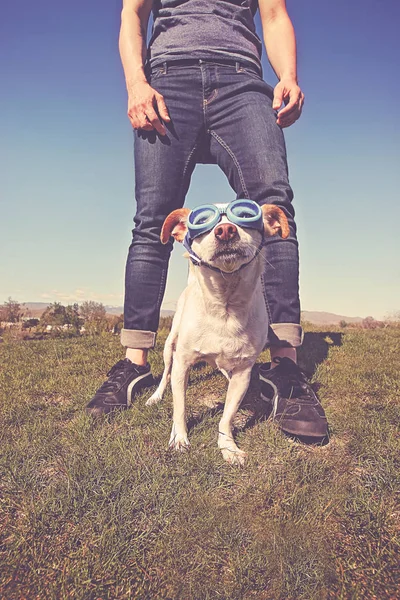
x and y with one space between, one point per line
221 316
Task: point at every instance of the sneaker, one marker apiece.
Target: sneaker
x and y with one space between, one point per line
124 380
295 405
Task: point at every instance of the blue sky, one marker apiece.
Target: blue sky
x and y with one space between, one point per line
66 187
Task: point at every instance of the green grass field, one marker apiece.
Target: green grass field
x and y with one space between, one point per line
92 510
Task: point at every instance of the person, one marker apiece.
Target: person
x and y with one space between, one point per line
196 95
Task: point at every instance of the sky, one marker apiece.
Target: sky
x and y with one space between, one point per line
66 155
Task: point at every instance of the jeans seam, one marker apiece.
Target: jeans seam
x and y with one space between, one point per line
266 300
233 157
193 150
161 289
214 94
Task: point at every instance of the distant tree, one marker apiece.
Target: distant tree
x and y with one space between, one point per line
165 323
94 318
92 311
393 317
72 316
343 323
58 316
11 311
55 315
117 323
369 323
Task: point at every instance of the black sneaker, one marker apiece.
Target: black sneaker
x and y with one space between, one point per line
124 380
295 405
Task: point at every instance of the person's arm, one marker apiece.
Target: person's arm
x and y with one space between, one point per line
145 105
280 43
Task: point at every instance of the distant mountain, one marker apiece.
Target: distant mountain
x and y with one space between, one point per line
34 309
325 318
114 310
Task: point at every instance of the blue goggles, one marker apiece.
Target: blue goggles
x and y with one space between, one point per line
245 213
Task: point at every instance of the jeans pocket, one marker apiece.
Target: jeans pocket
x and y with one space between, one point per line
248 70
266 88
155 73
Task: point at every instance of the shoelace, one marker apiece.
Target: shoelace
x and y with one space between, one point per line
115 376
295 378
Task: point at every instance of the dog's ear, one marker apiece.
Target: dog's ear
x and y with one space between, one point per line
175 225
275 220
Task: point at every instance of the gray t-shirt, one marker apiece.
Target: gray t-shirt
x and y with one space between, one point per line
204 29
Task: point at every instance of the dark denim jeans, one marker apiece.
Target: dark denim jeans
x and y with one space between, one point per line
220 113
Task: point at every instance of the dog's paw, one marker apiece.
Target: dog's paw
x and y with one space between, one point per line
234 457
230 452
154 399
178 441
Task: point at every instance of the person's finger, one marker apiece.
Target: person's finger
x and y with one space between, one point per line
287 121
286 118
132 119
139 121
278 97
162 107
291 106
153 118
293 115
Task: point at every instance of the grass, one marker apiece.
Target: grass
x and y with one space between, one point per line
93 510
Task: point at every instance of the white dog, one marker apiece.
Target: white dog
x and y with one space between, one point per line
221 316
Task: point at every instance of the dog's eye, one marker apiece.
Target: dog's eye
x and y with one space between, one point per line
203 219
244 214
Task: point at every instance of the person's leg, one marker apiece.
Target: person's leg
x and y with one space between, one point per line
249 147
163 166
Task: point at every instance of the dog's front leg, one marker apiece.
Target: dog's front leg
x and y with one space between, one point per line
238 384
179 381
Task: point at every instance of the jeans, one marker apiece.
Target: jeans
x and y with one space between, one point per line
220 113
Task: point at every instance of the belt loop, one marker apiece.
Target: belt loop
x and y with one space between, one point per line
165 67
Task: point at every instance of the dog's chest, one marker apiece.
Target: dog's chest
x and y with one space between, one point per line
230 341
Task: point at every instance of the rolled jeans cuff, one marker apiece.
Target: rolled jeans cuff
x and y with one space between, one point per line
285 335
135 338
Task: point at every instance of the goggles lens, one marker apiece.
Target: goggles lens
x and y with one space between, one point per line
203 215
245 213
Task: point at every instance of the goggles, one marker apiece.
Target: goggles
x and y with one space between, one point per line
245 213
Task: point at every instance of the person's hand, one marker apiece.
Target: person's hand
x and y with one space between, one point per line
288 92
146 107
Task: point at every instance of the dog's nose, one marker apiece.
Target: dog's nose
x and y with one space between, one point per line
225 232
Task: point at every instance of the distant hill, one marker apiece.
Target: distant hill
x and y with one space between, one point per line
325 318
36 309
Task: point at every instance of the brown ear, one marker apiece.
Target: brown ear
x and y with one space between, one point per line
275 220
175 225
